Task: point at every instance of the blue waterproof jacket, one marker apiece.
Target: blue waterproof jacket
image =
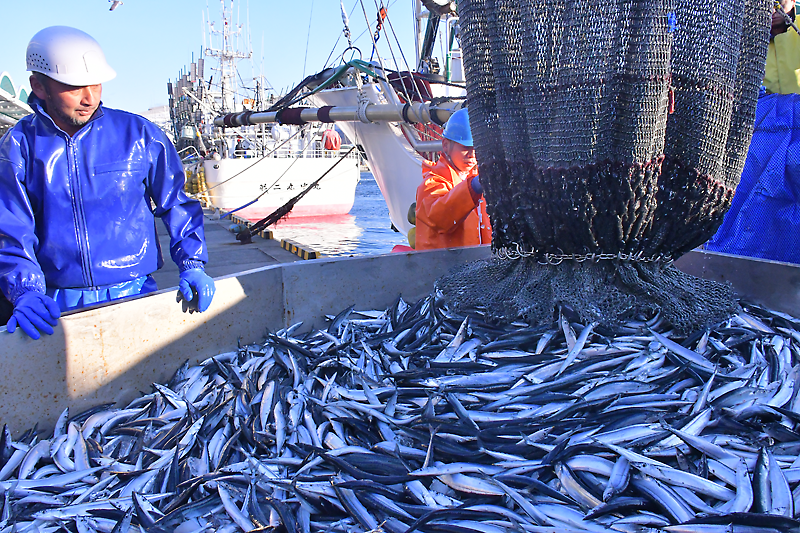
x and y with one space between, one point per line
77 212
764 218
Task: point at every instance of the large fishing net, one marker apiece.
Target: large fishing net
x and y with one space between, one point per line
610 137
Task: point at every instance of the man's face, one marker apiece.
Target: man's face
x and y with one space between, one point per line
70 107
462 157
778 21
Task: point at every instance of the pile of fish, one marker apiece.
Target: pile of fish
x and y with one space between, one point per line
414 419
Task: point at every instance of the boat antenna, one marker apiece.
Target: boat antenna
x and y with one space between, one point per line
250 41
261 68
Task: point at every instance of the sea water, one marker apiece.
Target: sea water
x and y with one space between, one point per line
366 230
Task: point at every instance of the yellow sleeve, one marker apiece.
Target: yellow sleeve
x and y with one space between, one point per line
782 73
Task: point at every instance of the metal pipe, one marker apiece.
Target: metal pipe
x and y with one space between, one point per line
6 120
427 146
409 113
417 144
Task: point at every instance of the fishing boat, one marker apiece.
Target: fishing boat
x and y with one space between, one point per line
253 169
692 417
394 112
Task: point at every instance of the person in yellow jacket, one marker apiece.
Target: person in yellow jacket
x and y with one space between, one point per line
764 217
782 75
451 211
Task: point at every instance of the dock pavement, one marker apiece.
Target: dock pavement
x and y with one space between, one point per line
226 255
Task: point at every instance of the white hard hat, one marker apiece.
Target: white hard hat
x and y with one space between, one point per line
68 55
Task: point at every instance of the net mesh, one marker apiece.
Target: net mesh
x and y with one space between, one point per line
610 293
616 128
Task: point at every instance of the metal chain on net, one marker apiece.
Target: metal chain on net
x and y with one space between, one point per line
516 252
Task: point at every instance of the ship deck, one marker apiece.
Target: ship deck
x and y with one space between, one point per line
226 255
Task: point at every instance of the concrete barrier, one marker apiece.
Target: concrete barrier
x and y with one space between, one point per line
111 352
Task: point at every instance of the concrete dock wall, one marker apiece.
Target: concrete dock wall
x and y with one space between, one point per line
111 352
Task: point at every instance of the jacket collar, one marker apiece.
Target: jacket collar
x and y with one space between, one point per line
444 163
38 106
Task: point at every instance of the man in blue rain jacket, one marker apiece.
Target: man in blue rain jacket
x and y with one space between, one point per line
79 187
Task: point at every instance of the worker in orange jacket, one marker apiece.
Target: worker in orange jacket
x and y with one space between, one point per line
450 210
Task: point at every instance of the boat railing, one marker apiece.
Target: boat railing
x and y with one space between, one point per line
189 157
291 153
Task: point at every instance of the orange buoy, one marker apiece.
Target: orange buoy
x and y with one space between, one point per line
332 140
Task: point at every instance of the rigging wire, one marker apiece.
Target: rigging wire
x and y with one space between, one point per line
372 35
237 93
380 59
397 65
285 209
308 37
325 65
257 198
399 47
438 82
257 162
241 84
360 35
296 159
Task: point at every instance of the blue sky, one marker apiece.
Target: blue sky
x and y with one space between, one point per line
148 42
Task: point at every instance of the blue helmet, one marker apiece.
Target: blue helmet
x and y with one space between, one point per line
457 128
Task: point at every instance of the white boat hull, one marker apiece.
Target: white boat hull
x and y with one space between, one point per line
279 180
397 168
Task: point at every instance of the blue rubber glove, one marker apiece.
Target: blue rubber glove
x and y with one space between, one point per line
34 312
476 185
197 289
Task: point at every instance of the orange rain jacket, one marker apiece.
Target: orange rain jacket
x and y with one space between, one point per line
449 213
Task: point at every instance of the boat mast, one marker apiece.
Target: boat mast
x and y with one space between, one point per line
436 11
418 17
227 54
